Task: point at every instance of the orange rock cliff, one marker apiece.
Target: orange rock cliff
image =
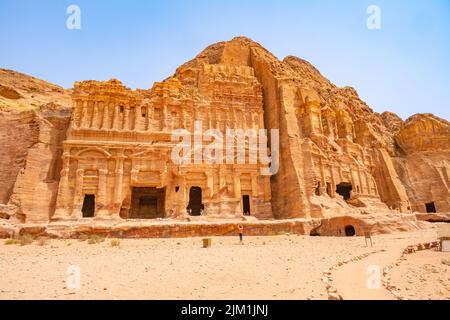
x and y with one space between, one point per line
102 150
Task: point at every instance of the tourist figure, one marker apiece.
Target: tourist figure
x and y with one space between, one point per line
241 232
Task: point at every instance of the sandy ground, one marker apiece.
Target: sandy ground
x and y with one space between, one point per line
423 275
278 267
354 279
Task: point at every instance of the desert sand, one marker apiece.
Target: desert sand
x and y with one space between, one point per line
275 267
423 275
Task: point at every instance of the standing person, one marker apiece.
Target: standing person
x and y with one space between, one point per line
241 232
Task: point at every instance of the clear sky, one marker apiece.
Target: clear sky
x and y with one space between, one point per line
404 67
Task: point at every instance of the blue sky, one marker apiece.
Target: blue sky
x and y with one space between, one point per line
404 67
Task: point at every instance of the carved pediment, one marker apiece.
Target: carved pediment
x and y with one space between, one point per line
93 153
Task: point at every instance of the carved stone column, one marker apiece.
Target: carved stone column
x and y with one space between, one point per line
139 119
244 121
261 120
353 181
369 191
118 197
237 185
215 122
164 118
233 118
101 193
323 184
267 189
195 115
105 123
254 177
362 191
116 117
78 195
255 120
84 122
63 198
375 187
94 124
77 111
222 178
333 182
183 117
149 118
126 120
221 118
185 196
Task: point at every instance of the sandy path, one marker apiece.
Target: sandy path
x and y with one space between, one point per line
352 279
279 267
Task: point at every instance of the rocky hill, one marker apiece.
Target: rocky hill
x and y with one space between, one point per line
337 156
328 132
34 115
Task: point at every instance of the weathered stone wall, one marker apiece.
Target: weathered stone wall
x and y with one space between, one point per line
33 120
424 168
392 191
36 187
426 179
289 197
18 132
129 229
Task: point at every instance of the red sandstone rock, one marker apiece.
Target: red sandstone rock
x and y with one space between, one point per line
340 161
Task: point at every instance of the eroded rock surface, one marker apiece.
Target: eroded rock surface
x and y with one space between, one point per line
111 145
34 116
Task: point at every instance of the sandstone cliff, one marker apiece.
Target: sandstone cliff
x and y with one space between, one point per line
329 136
34 116
337 156
328 131
424 164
